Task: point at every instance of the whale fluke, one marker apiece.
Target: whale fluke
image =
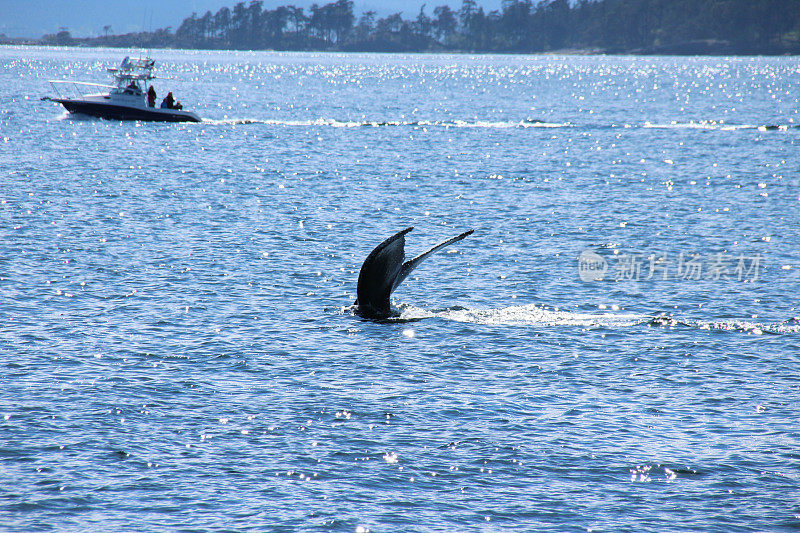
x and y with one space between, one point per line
383 270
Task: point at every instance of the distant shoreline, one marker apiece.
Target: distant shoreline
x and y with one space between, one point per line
683 51
556 27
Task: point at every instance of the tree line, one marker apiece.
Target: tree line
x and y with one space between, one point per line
521 26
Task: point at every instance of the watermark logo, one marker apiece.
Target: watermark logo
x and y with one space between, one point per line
592 266
644 266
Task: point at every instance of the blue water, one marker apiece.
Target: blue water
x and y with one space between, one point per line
178 350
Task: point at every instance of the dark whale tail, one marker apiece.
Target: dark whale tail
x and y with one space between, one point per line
383 270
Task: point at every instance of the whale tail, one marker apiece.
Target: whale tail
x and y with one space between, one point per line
384 270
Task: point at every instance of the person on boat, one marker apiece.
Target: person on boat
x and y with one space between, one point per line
151 97
168 101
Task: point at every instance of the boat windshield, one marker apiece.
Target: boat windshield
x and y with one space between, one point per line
133 87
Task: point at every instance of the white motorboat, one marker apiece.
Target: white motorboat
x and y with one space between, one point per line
131 98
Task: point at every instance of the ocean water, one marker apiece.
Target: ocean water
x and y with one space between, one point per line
615 348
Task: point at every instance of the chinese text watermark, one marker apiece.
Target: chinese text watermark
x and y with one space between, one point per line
644 266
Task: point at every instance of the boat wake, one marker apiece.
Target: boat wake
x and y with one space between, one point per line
719 126
332 123
710 125
536 315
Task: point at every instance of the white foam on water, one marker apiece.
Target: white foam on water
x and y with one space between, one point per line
536 315
528 315
332 123
710 125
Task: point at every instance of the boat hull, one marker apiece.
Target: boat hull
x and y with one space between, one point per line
120 112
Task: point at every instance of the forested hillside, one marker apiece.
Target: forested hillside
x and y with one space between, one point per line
610 26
